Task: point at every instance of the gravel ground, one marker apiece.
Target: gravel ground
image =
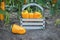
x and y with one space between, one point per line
50 33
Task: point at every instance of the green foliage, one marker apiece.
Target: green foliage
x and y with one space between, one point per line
58 3
2 12
6 15
7 2
7 20
41 2
0 0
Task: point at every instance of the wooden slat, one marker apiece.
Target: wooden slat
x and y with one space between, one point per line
32 19
34 27
32 23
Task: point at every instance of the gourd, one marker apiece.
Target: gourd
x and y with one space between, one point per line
18 29
31 15
25 14
1 17
54 1
25 1
3 5
37 15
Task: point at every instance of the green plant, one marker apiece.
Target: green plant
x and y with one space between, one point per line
7 20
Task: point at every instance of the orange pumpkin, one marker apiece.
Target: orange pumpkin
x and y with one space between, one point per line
25 14
31 15
37 15
3 5
25 1
1 17
18 29
54 1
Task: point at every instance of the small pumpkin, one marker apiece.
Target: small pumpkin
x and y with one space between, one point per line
25 1
37 15
18 29
3 5
54 1
25 14
1 17
31 15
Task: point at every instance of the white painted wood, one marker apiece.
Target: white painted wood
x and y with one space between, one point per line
32 19
33 27
32 23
